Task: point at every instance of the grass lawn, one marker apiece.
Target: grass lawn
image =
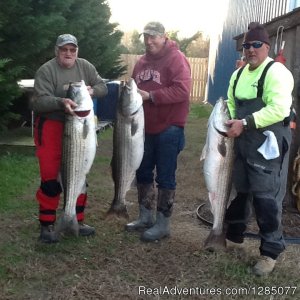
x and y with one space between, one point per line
115 264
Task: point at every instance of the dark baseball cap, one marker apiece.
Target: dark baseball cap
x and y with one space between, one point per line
65 39
154 28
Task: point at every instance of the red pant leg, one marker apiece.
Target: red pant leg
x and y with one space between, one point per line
48 140
80 206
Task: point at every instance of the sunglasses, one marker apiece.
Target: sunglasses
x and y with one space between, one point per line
255 45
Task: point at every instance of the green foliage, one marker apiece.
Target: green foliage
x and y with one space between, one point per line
8 92
198 47
136 46
99 41
184 43
28 31
29 28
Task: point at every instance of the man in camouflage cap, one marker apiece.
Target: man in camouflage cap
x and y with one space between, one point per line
154 28
163 77
65 39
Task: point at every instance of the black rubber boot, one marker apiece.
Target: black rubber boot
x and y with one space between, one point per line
146 197
48 234
86 230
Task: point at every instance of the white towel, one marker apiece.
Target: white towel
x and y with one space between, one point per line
269 149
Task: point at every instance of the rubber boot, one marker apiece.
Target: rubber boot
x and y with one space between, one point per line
86 230
161 228
145 198
48 234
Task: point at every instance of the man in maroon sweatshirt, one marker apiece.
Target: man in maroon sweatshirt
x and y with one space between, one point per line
163 77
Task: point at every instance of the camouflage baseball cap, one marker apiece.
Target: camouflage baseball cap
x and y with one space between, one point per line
65 39
154 28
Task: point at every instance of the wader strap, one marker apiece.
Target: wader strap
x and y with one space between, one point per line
260 85
236 80
40 129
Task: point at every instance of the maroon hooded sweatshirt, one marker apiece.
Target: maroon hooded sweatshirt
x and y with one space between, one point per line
167 76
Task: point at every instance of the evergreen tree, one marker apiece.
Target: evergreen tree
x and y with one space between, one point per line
136 46
8 92
28 32
30 28
99 41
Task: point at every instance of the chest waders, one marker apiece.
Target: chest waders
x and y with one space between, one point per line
253 175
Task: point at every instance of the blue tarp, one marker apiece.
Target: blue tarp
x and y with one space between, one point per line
105 108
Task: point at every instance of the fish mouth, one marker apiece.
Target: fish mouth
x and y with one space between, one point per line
82 113
223 133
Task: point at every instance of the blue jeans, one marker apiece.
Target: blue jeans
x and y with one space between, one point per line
161 151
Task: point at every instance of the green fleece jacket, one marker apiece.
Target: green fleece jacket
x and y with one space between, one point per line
52 81
277 92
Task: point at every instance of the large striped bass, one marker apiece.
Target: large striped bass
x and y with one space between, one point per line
128 145
79 149
218 163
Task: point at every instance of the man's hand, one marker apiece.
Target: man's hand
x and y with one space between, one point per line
69 106
235 128
145 95
90 90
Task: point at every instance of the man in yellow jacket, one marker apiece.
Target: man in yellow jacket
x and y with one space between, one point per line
259 100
